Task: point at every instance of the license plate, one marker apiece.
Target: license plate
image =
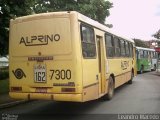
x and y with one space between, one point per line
40 73
41 90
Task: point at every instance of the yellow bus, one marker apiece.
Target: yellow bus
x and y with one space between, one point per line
66 56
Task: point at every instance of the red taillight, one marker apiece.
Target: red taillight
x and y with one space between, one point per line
68 89
16 89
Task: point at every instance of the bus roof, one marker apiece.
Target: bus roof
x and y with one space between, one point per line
98 25
81 17
142 48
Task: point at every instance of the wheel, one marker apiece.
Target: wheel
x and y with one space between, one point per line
110 93
141 70
155 67
130 81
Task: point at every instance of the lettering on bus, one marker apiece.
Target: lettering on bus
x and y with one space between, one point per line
60 74
124 65
39 39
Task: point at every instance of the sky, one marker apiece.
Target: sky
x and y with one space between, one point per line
138 19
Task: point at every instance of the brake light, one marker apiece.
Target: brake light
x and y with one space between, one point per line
68 89
16 89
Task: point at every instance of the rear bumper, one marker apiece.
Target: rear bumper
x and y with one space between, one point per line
47 96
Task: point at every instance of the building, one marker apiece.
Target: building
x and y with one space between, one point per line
4 62
152 43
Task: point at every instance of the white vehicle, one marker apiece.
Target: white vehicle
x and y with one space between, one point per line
158 64
154 57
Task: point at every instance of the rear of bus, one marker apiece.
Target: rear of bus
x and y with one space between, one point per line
43 63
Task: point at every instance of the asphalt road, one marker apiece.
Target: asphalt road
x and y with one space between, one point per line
142 97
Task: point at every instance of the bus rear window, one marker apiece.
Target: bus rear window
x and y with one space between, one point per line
46 35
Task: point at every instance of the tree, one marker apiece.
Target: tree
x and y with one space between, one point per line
95 9
140 43
157 35
9 9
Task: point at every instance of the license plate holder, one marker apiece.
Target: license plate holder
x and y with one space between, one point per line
41 90
40 73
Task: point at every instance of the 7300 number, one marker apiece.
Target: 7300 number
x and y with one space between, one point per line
60 74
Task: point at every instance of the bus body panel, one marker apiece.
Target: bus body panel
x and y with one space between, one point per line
36 34
121 69
144 62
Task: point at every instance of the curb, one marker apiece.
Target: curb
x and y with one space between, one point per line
6 105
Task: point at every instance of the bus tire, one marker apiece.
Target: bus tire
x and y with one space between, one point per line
130 81
141 70
154 68
110 93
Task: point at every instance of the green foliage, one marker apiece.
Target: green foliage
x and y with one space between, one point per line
4 74
140 43
95 9
10 9
4 86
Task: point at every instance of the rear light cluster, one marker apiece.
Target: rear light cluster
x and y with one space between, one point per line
16 89
69 84
19 89
68 89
